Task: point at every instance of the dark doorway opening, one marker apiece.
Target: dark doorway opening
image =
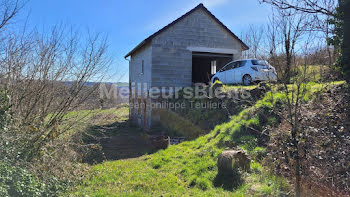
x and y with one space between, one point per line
205 65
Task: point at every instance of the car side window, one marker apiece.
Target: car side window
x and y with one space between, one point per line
238 64
232 65
227 67
223 69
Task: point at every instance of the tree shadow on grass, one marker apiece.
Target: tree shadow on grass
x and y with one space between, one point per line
230 181
119 140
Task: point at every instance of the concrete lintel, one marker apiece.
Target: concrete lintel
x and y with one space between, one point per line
212 50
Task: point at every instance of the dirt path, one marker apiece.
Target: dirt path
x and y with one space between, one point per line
125 146
122 141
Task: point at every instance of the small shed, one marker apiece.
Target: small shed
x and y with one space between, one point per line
187 51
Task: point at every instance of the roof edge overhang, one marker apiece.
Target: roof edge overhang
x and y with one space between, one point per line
200 6
139 46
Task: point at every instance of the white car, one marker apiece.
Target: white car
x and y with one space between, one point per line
246 72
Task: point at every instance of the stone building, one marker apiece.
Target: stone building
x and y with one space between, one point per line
186 51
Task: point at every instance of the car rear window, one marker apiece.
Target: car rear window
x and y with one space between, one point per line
260 62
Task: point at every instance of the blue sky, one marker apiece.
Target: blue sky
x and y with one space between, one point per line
127 23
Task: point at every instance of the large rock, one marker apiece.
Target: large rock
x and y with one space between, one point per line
230 159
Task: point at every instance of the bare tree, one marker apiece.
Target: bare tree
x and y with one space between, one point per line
8 10
253 37
320 12
287 32
272 42
291 27
45 76
294 95
323 13
325 7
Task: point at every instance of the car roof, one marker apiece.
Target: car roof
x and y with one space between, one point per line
245 59
239 60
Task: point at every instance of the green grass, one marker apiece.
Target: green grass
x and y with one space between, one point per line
228 87
312 72
239 87
79 120
84 115
312 89
189 169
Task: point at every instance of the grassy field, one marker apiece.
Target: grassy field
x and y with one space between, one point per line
80 120
314 73
190 169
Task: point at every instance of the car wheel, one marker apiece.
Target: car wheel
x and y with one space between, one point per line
247 80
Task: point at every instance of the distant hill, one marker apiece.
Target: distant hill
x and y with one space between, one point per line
90 84
123 84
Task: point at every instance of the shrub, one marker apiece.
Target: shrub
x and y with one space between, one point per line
16 181
256 167
259 153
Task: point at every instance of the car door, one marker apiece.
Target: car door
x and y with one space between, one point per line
238 72
222 74
230 72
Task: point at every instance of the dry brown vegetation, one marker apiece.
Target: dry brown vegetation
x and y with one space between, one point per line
323 146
